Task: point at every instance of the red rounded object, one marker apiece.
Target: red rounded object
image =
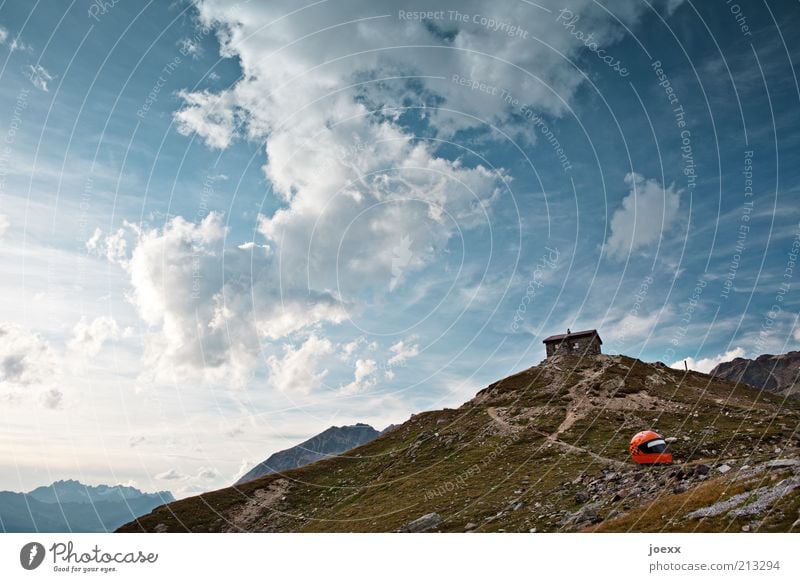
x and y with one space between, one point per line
649 448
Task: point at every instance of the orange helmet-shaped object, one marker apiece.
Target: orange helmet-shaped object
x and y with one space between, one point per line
648 448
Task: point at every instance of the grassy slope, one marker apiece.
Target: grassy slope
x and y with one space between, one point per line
506 475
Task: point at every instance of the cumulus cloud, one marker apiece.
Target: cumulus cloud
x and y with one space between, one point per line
3 35
402 351
209 116
88 337
52 398
172 475
360 191
364 203
298 369
209 306
705 365
207 473
283 80
363 377
4 224
25 357
647 213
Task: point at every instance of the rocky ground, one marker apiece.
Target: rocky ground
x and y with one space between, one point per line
543 450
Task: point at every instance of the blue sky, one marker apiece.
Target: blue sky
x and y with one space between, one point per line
227 226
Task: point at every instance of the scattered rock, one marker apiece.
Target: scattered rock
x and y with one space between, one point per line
470 526
581 497
161 528
745 528
680 488
424 523
742 505
586 515
724 468
619 495
782 463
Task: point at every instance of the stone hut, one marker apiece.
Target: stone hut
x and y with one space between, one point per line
574 343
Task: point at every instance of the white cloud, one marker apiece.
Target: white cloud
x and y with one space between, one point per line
363 377
402 351
209 116
366 203
4 224
190 48
633 327
52 398
39 76
244 467
25 357
297 370
172 475
88 338
672 6
705 365
207 473
282 77
350 348
136 440
209 307
647 213
796 334
3 35
17 44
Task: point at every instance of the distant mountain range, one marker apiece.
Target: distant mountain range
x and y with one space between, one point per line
778 374
71 506
329 443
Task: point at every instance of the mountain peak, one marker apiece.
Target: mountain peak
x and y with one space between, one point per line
333 441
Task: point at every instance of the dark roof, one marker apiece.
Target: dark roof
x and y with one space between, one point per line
563 336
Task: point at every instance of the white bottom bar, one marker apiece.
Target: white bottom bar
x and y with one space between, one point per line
387 557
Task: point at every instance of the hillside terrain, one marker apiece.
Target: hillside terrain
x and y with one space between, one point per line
543 450
779 374
330 442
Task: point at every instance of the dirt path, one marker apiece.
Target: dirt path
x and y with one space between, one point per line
508 428
247 516
505 426
580 450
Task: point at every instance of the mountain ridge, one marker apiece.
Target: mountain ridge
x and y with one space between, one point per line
778 373
71 506
333 441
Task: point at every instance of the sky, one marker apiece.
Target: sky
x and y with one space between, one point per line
227 225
